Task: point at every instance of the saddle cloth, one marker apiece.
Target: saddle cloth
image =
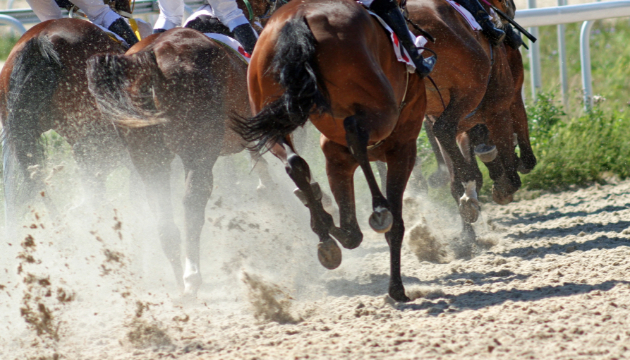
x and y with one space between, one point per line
401 53
232 44
470 19
225 40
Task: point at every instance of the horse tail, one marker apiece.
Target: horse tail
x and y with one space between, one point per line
297 71
32 83
110 78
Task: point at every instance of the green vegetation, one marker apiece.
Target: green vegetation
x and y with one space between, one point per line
581 150
6 44
610 60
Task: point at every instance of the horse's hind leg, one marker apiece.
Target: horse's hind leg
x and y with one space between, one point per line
357 138
199 182
340 167
309 193
152 160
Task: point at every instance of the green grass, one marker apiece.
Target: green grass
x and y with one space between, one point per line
6 44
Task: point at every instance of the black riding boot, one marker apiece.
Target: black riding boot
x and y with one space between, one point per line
246 35
512 37
493 34
389 11
123 29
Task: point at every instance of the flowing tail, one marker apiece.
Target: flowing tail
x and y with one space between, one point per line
110 81
296 70
34 78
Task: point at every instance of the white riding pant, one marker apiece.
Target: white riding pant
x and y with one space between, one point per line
96 11
172 13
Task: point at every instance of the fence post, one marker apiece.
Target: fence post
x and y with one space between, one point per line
585 59
534 56
562 58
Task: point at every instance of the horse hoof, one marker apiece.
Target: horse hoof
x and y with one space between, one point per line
192 279
501 200
329 254
522 169
469 209
398 294
486 153
348 239
381 220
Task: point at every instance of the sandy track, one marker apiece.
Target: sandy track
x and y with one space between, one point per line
550 281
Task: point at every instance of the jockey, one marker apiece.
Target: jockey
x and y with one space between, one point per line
496 36
389 11
98 13
172 12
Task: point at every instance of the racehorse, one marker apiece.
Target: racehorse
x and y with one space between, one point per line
332 63
173 94
479 102
43 87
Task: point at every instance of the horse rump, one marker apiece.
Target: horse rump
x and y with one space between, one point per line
296 70
123 86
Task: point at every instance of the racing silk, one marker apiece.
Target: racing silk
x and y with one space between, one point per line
96 11
172 13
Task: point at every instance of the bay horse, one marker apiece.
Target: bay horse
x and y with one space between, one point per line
480 87
333 63
43 86
173 94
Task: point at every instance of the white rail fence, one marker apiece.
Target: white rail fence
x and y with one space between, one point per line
532 18
564 14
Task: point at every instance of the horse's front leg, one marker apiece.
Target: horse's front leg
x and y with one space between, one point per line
508 181
399 167
340 168
357 138
464 176
199 182
440 176
310 194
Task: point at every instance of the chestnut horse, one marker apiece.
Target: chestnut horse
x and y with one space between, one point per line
480 86
172 94
333 63
43 87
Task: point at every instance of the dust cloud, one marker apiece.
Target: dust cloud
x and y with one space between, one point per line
89 283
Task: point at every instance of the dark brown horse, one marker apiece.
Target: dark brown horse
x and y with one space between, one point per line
480 86
172 94
332 63
43 87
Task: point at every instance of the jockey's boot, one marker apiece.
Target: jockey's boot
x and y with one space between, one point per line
512 37
389 11
493 34
121 28
246 35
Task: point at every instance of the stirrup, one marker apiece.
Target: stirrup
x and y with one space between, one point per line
427 66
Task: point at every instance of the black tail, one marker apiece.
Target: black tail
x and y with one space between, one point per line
34 78
296 69
110 78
